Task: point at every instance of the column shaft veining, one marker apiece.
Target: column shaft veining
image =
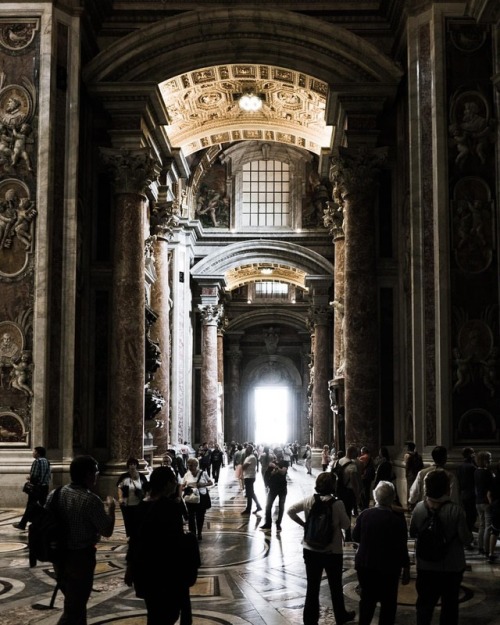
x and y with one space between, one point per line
164 217
210 316
355 176
132 172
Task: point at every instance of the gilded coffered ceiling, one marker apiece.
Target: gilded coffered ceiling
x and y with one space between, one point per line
203 107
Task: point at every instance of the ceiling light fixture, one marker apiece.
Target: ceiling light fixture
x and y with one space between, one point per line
250 102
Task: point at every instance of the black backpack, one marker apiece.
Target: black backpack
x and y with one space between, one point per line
431 543
318 530
339 470
47 532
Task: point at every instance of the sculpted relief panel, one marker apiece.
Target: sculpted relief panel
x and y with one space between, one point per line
19 54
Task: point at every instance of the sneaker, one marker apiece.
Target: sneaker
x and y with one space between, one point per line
18 526
246 512
349 616
257 511
265 527
278 528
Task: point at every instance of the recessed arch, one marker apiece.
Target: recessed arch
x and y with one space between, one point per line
215 265
239 35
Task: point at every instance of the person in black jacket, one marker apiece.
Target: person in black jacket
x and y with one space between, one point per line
159 537
38 480
217 461
382 555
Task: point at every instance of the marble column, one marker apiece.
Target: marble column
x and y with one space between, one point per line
210 316
319 317
354 173
334 221
233 409
132 172
164 217
220 380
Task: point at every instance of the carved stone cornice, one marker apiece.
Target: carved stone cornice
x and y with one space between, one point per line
132 171
164 218
355 172
211 314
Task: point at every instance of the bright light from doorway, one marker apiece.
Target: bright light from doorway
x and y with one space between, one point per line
271 414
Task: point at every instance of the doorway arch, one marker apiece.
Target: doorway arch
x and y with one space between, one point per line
270 373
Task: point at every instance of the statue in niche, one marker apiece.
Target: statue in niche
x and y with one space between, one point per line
271 339
21 371
317 201
338 305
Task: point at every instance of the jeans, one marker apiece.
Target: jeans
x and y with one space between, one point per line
75 575
483 533
196 517
249 482
316 562
432 585
271 496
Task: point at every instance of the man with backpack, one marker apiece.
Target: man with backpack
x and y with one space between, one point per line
349 483
320 553
440 529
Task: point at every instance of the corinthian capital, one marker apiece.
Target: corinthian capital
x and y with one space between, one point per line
318 316
355 171
333 220
211 314
132 170
164 218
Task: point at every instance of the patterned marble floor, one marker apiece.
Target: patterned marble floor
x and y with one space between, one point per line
248 577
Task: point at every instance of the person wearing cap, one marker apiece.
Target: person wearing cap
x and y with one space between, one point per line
440 580
329 559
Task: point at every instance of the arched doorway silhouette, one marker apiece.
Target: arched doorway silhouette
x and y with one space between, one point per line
271 390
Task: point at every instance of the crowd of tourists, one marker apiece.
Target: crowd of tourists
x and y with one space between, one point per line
355 500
